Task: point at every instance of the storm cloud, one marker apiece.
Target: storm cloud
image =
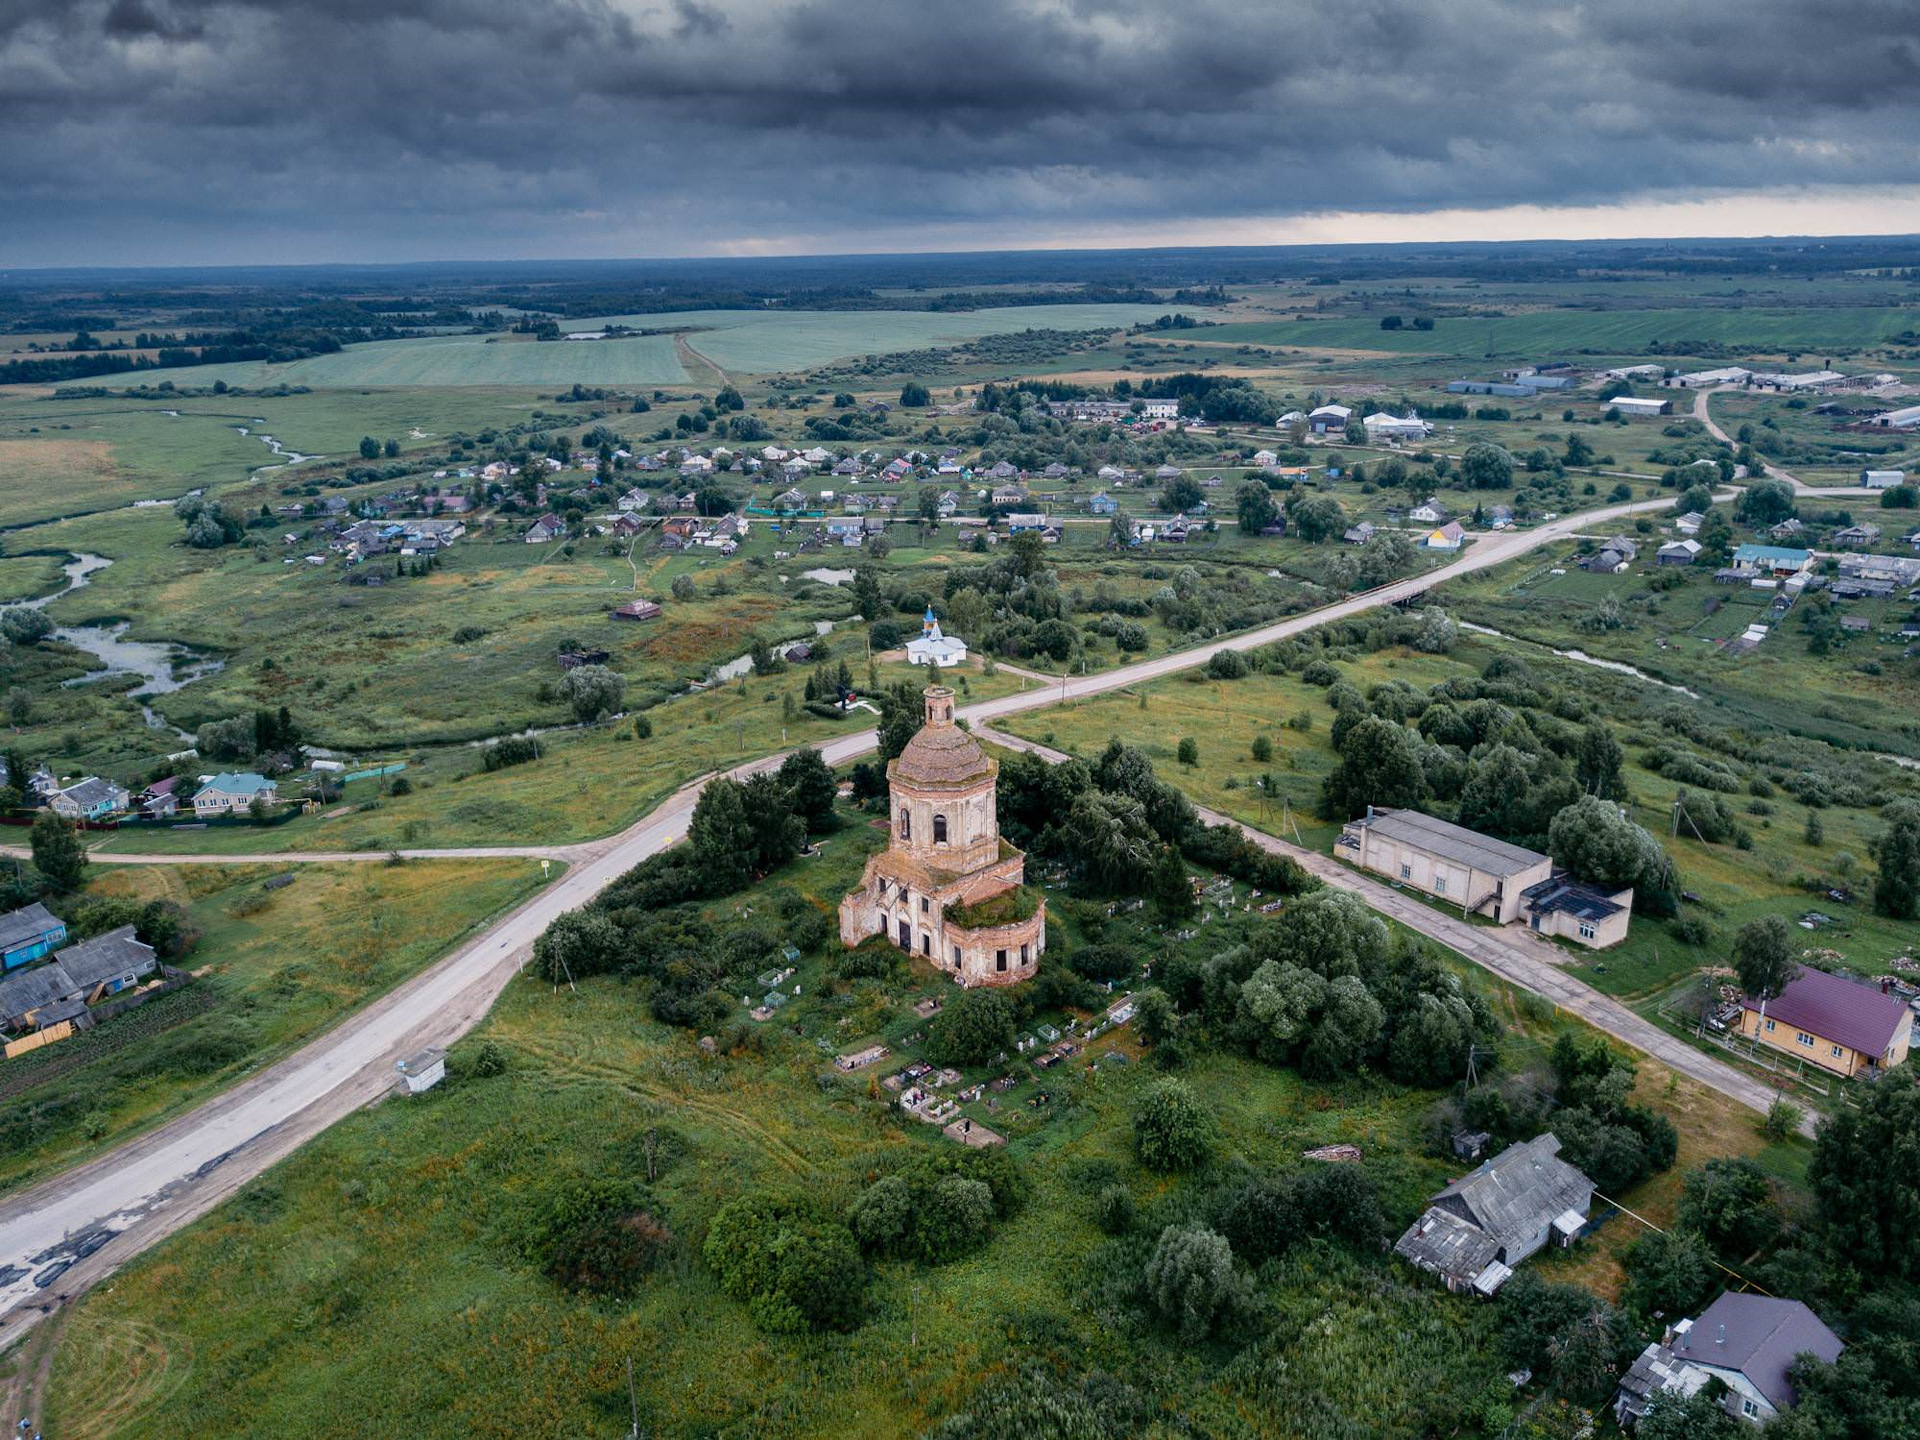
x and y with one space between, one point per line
172 131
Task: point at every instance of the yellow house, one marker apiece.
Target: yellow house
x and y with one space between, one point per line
1837 1024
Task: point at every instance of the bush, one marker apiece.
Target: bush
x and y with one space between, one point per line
489 1059
1192 1279
794 1269
514 750
1170 1129
597 1237
1114 1210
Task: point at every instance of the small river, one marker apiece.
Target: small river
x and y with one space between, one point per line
162 666
1617 667
742 664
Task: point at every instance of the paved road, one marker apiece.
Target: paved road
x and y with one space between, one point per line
1772 471
1514 954
586 850
150 1187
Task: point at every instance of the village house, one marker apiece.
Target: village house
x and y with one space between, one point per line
1775 560
1857 535
1429 512
1483 876
89 799
1680 552
635 499
27 934
1841 1025
947 887
1102 503
636 610
160 800
1478 1230
1157 409
1265 459
1450 536
233 792
1746 1342
1359 534
545 529
1896 570
80 975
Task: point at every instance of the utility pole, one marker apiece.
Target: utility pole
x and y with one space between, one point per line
633 1403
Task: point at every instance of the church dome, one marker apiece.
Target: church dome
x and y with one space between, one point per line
941 753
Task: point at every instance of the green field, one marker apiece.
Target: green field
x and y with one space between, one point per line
1551 333
279 966
460 361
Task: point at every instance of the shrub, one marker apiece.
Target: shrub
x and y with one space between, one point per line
794 1270
1114 1210
1192 1279
1170 1129
975 1026
597 1237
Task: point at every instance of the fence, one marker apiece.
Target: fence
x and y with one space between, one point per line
39 1038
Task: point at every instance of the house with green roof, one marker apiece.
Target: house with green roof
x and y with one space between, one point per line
231 792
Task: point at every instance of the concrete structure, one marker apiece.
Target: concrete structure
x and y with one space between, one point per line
947 887
1838 1024
934 648
229 792
1640 405
422 1071
1447 861
1477 1230
1747 1342
1484 876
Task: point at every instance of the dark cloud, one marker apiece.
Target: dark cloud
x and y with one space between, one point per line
285 129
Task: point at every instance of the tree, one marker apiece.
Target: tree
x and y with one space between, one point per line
58 852
1330 932
1716 536
596 1236
1319 517
812 788
1379 765
914 396
1700 1416
580 943
1192 1279
778 832
684 587
1486 467
1669 1272
1437 633
722 837
1867 1208
1730 1204
1597 763
1111 839
369 448
1170 1129
592 692
1346 1032
1172 895
1604 848
1256 508
1763 958
1155 1020
866 593
971 1029
1188 751
1896 891
1764 502
1815 834
1182 493
24 626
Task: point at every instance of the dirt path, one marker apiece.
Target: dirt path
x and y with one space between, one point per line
1767 467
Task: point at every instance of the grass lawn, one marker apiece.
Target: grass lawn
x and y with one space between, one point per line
281 965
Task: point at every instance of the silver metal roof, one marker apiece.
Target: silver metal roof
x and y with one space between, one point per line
1453 842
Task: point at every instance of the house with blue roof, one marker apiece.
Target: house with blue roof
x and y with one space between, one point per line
231 792
1779 561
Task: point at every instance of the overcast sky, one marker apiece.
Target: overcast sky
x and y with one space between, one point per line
182 132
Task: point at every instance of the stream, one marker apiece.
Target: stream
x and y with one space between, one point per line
288 457
742 664
163 666
1617 667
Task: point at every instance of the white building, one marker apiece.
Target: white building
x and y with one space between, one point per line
1160 409
934 648
1381 427
422 1071
1882 479
1640 405
1705 379
1907 419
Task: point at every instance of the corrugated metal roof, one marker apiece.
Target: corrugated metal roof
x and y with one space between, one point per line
1519 1191
1453 842
1835 1008
33 989
105 957
28 923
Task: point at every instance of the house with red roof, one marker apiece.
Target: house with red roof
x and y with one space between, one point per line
1839 1024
